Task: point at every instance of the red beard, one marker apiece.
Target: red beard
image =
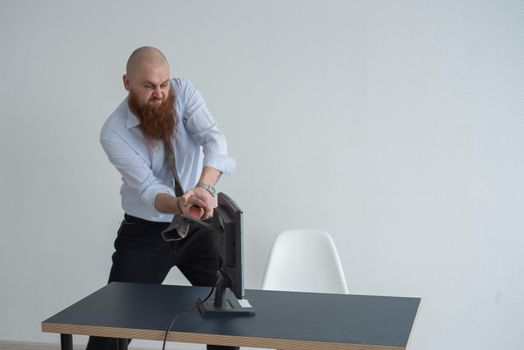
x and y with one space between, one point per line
156 122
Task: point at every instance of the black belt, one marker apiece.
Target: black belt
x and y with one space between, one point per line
135 220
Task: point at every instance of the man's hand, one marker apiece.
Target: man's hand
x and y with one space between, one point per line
197 203
199 198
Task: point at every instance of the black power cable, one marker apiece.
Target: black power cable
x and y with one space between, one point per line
180 313
183 311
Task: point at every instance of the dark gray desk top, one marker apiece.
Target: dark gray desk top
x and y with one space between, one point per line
331 318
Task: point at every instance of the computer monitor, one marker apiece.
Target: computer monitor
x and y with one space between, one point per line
227 224
227 219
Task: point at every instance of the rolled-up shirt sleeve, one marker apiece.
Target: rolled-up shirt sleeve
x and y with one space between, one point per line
202 127
135 171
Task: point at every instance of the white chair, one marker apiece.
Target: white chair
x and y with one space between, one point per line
305 261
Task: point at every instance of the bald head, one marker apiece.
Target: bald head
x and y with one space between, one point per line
145 56
147 76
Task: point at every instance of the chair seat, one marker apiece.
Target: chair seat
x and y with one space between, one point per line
305 261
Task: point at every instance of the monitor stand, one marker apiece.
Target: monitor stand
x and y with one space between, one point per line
222 306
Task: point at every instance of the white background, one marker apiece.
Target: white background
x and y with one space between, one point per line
397 126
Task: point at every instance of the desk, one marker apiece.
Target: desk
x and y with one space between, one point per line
283 320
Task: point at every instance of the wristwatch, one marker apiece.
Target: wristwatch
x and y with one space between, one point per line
208 188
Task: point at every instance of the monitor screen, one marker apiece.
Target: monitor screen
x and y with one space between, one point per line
230 243
227 222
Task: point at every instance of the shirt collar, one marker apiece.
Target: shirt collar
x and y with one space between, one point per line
132 119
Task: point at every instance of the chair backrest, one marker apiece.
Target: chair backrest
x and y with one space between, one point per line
305 261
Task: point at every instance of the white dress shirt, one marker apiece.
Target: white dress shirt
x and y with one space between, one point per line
145 174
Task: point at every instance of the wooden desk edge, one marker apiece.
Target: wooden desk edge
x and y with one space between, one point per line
200 338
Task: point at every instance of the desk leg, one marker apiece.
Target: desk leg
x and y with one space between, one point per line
122 343
66 341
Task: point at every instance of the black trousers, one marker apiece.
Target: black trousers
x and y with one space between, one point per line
141 255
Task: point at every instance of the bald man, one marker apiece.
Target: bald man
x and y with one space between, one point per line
159 112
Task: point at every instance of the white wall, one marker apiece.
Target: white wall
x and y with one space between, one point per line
395 125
